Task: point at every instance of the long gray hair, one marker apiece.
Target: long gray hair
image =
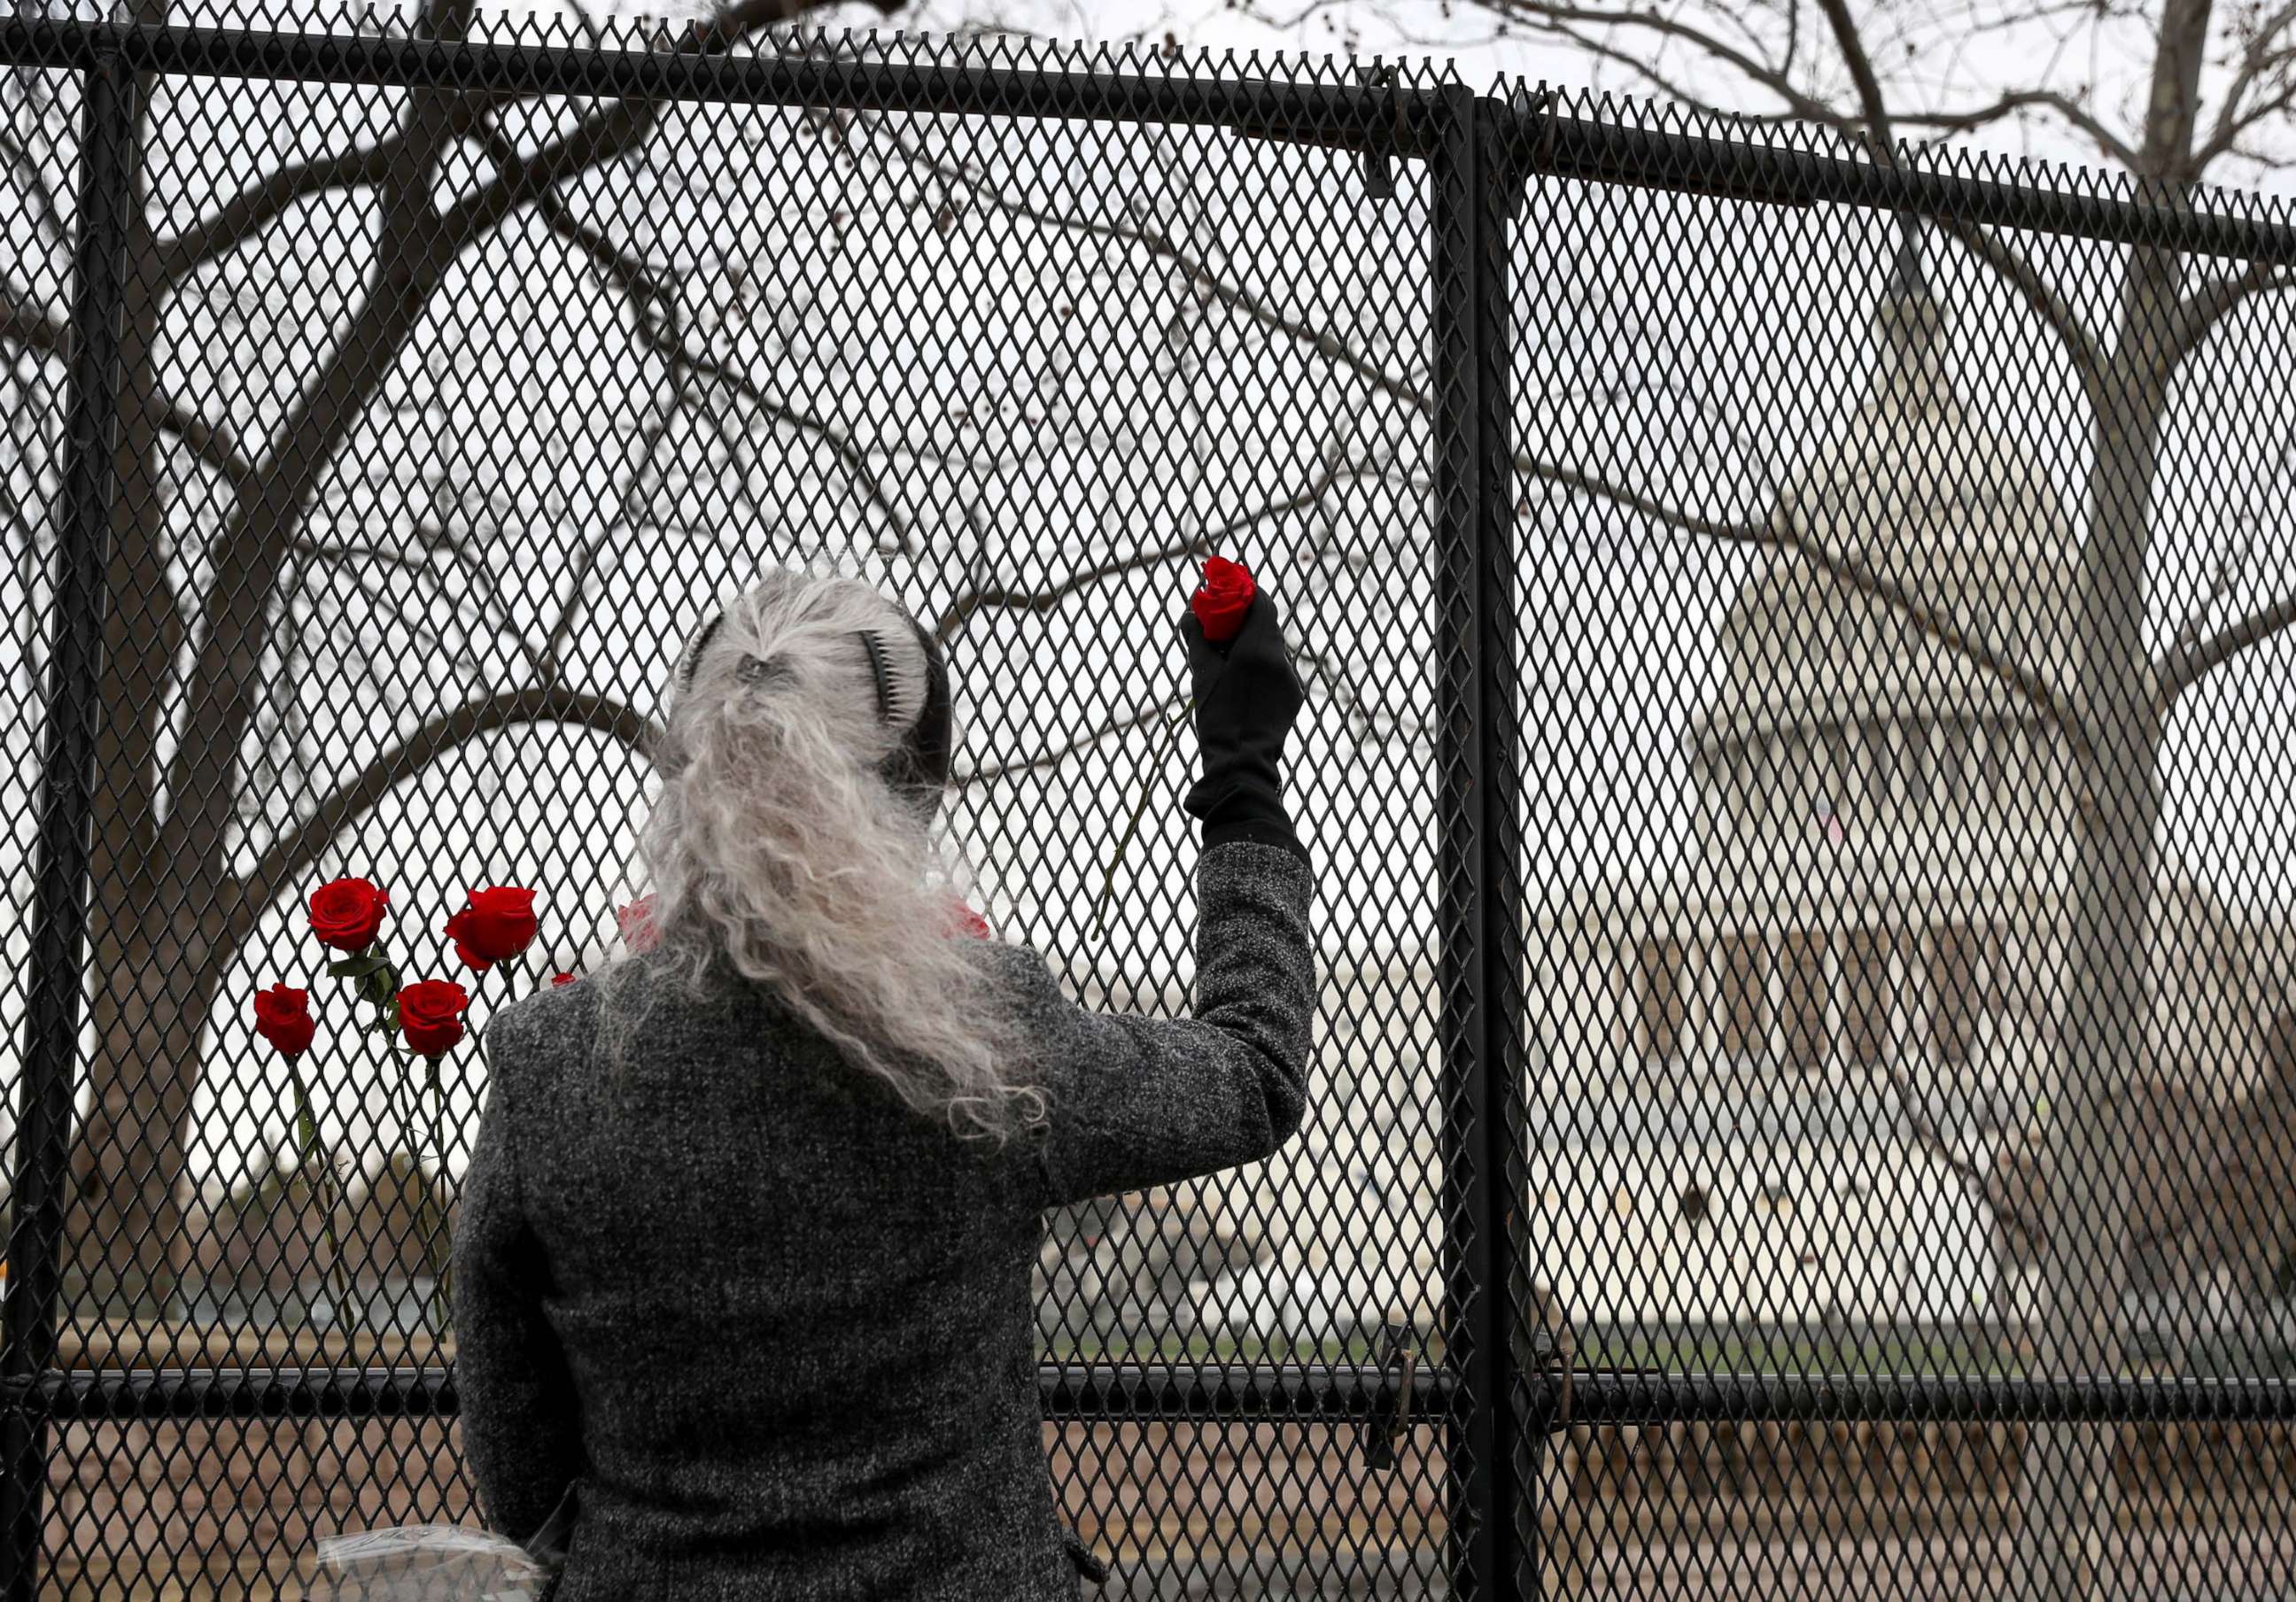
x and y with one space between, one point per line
782 848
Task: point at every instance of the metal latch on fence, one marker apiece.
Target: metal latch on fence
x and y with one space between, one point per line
1384 1427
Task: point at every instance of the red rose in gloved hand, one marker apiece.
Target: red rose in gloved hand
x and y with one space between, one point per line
1247 697
1221 600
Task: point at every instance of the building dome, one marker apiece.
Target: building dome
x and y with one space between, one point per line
1923 493
1848 757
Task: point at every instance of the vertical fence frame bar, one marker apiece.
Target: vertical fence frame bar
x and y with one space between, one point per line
1468 258
67 805
1520 1395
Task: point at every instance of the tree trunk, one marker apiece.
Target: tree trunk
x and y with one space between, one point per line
164 894
2102 1053
155 988
118 1224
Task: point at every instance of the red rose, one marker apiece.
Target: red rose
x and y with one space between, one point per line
493 927
964 921
637 921
431 1011
283 1015
1223 598
347 913
558 979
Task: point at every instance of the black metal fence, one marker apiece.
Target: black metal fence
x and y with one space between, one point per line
1806 1078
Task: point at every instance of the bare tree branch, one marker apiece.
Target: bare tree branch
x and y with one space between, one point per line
1939 624
1931 1139
2195 626
2108 143
212 443
30 327
618 130
2020 274
521 179
1751 532
31 177
659 329
260 205
2217 298
655 294
2189 666
315 550
2265 56
840 444
1335 670
1846 40
1671 29
994 596
1644 67
1056 755
1226 292
296 850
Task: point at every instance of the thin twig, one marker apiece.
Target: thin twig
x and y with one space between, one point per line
1139 811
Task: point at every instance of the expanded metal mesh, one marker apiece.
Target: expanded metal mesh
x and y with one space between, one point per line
1906 877
1741 886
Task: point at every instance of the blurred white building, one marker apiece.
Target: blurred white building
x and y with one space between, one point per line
1768 1091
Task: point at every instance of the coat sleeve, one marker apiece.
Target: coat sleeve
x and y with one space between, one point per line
520 1427
1136 1102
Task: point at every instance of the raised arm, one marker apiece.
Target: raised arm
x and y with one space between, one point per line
1137 1102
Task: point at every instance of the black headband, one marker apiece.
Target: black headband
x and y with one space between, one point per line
683 676
919 767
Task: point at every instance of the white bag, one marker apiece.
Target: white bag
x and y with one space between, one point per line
426 1563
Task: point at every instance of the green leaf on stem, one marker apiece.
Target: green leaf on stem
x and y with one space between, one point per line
355 967
380 985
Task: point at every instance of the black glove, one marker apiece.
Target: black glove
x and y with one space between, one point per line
1247 697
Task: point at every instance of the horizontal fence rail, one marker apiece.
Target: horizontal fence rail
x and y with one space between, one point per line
1291 1392
1551 143
698 69
1391 121
1295 1392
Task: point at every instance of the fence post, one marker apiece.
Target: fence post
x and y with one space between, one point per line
60 909
1478 875
1506 1132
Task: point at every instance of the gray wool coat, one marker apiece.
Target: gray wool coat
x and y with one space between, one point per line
773 1329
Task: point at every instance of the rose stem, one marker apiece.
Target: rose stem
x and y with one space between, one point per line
306 1127
427 1217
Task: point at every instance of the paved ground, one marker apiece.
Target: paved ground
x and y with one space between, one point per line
2181 1566
2198 1566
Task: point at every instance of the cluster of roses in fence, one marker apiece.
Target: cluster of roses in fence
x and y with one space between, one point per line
421 1022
